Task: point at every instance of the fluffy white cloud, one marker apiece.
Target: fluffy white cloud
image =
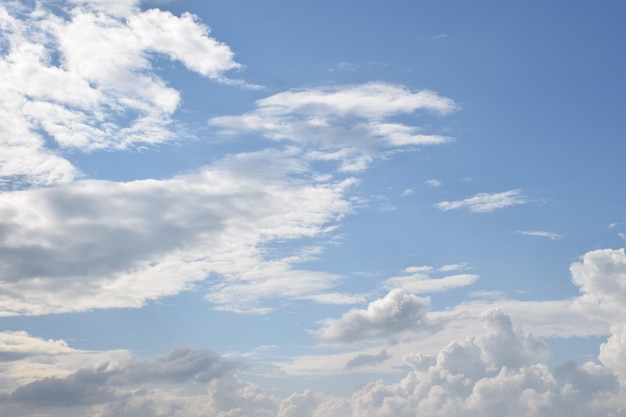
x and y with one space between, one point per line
86 81
397 312
347 123
486 202
100 244
601 277
500 371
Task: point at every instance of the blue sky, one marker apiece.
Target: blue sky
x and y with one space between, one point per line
243 208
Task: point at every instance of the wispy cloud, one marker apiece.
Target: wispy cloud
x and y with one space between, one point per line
348 123
343 66
540 233
486 202
421 280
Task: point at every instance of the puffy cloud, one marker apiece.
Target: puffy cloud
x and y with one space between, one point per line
500 371
479 376
397 312
100 244
601 277
347 123
111 96
486 202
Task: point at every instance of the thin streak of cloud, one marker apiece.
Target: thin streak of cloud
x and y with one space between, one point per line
486 202
540 233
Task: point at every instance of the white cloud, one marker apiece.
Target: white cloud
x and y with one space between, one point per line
347 123
397 312
100 244
112 97
407 192
433 182
486 202
601 277
539 233
494 371
420 280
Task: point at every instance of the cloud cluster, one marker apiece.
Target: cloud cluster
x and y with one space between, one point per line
85 80
101 244
349 123
500 370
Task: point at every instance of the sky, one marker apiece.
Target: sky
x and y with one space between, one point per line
236 208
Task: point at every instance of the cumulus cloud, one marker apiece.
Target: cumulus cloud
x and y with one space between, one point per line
397 312
500 370
486 202
101 244
348 123
601 278
112 97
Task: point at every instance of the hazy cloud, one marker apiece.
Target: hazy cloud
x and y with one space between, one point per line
365 359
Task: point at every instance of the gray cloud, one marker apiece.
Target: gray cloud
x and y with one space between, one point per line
364 359
397 312
101 244
97 385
